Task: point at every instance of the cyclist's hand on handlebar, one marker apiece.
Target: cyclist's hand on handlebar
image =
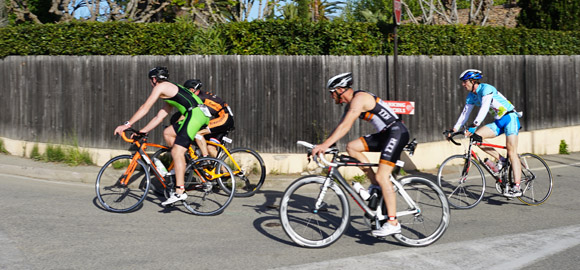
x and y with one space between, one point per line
138 135
318 149
120 129
448 133
470 131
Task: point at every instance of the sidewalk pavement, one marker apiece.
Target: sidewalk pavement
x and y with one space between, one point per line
14 165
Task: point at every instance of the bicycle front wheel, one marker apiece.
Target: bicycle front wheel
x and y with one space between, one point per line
248 168
204 187
305 223
122 186
431 219
536 183
463 185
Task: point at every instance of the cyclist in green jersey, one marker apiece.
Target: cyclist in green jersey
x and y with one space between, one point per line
181 134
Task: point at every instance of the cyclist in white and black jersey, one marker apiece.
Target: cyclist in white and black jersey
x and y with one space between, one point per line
390 139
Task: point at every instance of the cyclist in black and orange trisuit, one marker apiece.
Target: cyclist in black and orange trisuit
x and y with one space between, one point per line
222 119
181 134
390 139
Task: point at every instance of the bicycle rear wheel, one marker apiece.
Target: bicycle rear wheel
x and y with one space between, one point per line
432 219
250 174
307 225
205 195
118 192
536 183
463 185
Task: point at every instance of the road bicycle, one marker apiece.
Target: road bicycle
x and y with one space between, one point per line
124 181
315 211
462 179
246 164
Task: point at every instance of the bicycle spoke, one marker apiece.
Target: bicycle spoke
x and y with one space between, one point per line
303 222
115 196
425 224
536 182
464 188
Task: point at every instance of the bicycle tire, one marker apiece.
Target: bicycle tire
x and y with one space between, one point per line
251 174
427 226
115 196
462 191
203 198
536 183
310 228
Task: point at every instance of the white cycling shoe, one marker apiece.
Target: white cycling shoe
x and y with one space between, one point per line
387 229
175 198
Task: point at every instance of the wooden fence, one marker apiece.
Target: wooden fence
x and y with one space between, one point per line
277 100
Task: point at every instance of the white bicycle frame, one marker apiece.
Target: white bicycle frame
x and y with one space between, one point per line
334 174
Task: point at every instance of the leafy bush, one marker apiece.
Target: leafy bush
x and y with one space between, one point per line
3 148
70 155
549 14
280 37
563 148
35 154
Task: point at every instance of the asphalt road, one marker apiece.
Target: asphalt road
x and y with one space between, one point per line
49 224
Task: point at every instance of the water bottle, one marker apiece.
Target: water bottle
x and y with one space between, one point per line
491 165
160 167
364 194
374 199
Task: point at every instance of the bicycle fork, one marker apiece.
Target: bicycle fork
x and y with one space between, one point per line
319 202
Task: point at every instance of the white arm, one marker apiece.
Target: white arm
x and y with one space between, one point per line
485 103
463 117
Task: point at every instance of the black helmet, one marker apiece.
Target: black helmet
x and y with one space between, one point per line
193 83
161 73
340 80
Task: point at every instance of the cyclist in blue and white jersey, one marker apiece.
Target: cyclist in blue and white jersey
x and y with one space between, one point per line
506 120
390 139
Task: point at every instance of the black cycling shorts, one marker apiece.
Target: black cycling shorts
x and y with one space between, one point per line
389 142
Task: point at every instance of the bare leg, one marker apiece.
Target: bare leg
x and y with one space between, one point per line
486 133
383 178
355 149
178 155
200 140
169 135
512 149
212 150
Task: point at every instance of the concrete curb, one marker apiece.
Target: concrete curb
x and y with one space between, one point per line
427 156
19 166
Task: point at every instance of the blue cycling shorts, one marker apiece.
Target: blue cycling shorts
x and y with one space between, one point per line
508 124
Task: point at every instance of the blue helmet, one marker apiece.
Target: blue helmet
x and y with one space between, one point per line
471 74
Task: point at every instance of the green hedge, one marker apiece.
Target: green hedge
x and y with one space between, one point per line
280 37
473 40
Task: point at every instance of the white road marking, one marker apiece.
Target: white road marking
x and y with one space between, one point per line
501 252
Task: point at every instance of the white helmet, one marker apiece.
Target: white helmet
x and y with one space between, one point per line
340 80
